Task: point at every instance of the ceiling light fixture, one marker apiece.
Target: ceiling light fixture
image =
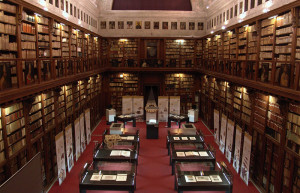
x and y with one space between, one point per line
223 27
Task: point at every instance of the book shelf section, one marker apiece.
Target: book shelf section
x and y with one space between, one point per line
211 88
81 86
115 52
260 112
267 38
226 43
233 45
56 40
291 174
187 49
242 42
76 97
293 128
229 98
116 90
49 114
8 44
29 46
181 85
35 118
252 42
237 101
15 128
130 84
274 120
199 51
222 96
283 43
43 36
2 153
61 111
79 43
220 47
270 168
131 52
96 49
172 53
246 106
69 100
65 37
74 43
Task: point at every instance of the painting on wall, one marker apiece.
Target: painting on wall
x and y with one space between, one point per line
112 25
120 24
174 25
147 24
191 25
138 25
129 24
200 25
103 24
156 25
165 25
182 25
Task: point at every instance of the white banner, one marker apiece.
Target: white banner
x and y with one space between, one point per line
163 107
246 158
229 139
127 105
223 133
77 138
60 157
69 147
217 126
87 114
175 105
82 133
138 107
237 149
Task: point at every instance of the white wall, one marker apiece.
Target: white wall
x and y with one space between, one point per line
198 14
218 7
90 7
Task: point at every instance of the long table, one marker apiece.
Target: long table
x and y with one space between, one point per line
105 168
182 185
177 118
125 118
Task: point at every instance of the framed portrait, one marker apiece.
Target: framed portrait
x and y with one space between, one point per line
103 24
120 24
156 25
165 25
200 25
191 25
264 72
174 25
151 50
284 75
182 25
5 75
112 25
147 24
129 24
138 25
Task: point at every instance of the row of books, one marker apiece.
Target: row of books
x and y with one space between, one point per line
5 44
7 18
7 28
28 28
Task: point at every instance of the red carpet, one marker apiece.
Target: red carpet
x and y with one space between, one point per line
154 171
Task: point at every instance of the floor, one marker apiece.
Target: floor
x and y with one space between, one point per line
154 170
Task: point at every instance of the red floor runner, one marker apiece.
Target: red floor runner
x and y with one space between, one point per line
154 174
